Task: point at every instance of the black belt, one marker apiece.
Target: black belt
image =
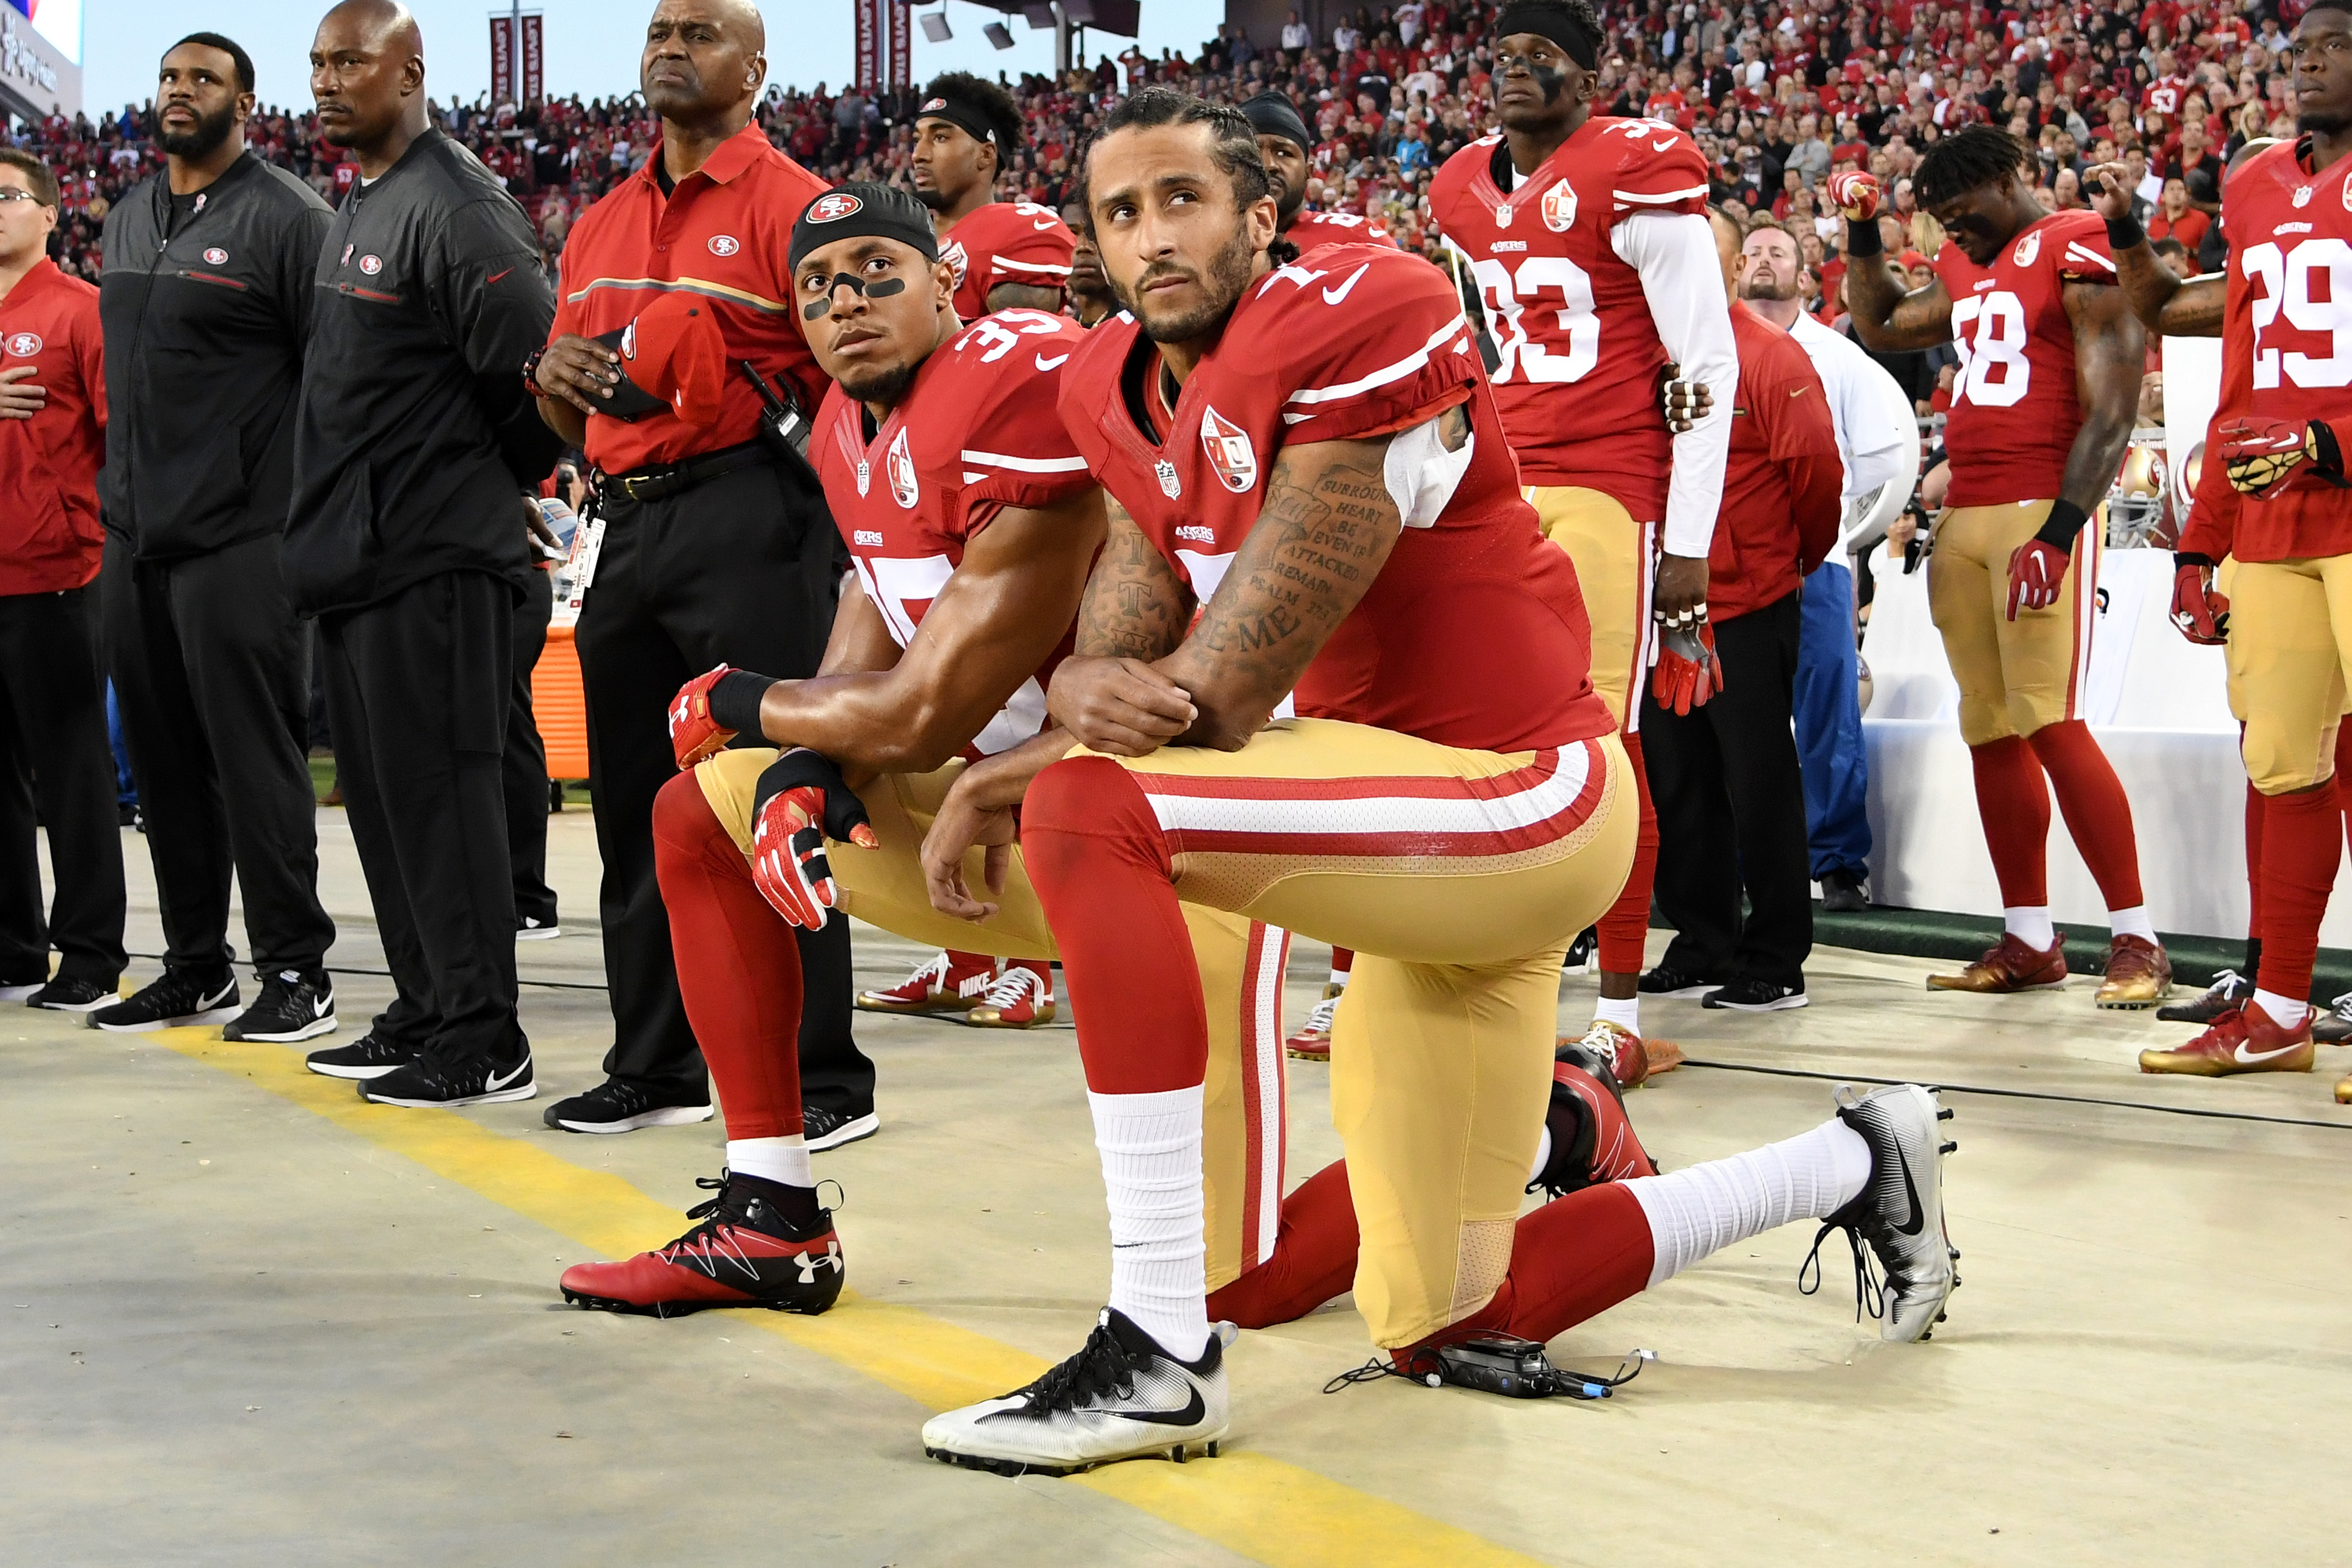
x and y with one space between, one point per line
666 479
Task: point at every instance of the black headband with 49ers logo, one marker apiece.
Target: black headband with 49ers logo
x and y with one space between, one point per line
965 117
863 207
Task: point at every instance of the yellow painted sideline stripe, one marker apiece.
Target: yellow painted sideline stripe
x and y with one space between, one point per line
1255 1506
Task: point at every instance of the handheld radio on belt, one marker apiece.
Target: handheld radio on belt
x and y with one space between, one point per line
783 428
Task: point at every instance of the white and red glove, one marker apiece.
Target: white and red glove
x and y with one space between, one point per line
2037 570
2266 457
711 710
800 803
1688 673
1855 194
2201 614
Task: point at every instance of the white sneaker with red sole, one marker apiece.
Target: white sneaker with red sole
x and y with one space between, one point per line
950 983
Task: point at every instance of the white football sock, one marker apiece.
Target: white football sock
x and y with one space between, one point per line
2133 921
2284 1011
1543 1153
1150 1146
1626 1014
1339 978
2031 925
1695 1210
784 1160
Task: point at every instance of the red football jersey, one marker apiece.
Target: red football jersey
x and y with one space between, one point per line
1308 230
1474 634
1566 309
977 432
2014 411
1005 242
2286 334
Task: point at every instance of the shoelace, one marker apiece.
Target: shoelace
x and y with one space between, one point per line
1015 986
2341 1006
1318 1017
1100 1367
2226 981
931 973
715 1217
1867 1290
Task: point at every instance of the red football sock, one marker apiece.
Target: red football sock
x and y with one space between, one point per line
2255 801
1625 929
2302 841
2015 805
1343 960
2098 813
1314 1256
2344 761
1094 855
1575 1258
738 965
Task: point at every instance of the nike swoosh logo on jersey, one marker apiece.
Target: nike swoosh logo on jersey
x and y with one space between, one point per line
2244 1058
1044 363
1911 1194
1333 296
1667 145
497 1083
1189 1415
496 276
1042 228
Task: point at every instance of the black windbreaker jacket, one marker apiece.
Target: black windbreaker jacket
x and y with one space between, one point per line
414 436
205 326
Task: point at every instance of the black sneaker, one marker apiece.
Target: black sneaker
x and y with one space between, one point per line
293 1006
427 1081
21 990
2228 992
823 1128
1756 996
619 1105
366 1056
1664 982
66 995
1581 952
530 928
178 998
1844 893
2332 1025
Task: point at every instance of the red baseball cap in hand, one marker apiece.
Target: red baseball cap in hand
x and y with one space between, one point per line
675 350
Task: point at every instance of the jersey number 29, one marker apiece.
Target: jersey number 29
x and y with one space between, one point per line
2286 279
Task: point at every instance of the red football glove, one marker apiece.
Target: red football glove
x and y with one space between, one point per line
1688 673
2202 615
1855 194
693 733
2266 457
2037 570
800 803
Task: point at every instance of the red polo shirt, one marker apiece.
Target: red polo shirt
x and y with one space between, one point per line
50 534
1783 478
724 233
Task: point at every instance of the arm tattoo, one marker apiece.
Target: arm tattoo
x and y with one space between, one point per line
1135 607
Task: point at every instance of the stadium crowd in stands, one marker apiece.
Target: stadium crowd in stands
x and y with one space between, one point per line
1778 97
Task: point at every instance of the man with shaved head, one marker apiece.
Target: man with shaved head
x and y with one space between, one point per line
417 453
716 545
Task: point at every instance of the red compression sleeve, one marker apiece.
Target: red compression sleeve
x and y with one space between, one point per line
1625 928
2098 813
738 965
2303 838
1314 1256
2015 805
2255 802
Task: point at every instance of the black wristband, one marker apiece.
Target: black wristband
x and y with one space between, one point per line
735 700
2066 521
1864 239
2123 233
2181 558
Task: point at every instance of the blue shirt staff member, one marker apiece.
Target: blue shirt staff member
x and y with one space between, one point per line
715 549
414 445
206 301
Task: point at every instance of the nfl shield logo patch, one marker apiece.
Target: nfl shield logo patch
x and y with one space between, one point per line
1167 472
864 475
1229 449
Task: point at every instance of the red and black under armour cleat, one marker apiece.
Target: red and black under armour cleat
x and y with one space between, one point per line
743 1254
1591 1140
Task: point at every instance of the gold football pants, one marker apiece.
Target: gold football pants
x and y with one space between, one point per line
2017 676
1616 561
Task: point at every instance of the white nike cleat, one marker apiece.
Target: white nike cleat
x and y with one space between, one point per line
1121 1397
1898 1213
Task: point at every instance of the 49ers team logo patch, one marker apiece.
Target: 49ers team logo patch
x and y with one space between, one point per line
1559 207
371 265
898 462
831 207
24 345
215 256
1229 449
726 244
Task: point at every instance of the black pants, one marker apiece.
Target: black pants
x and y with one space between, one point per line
744 570
212 673
1731 811
419 688
53 753
524 771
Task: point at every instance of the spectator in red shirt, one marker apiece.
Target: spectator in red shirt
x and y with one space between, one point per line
2175 219
53 746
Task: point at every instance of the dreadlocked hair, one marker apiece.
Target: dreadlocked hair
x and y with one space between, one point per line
1233 140
1966 160
993 102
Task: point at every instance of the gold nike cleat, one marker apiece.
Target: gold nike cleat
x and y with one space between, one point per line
2244 1040
2139 974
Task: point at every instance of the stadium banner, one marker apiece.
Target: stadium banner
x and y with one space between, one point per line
534 59
502 60
902 45
38 75
870 42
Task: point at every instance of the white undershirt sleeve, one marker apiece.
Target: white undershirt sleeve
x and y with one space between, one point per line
1682 279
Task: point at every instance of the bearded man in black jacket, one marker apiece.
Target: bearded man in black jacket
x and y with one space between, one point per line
415 448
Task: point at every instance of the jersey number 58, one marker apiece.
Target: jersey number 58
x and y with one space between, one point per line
1989 332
